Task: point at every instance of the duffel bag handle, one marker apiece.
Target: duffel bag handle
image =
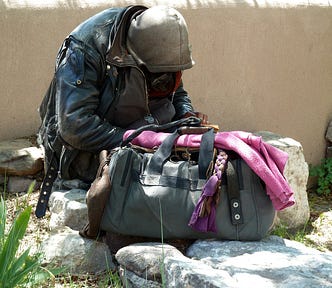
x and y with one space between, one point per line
206 152
188 122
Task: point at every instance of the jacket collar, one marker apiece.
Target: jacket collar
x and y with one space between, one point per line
117 53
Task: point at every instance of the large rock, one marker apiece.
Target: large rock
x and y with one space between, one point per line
186 272
322 232
66 248
18 184
297 173
19 157
146 259
68 208
273 262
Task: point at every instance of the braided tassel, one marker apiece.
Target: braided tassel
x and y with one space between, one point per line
204 216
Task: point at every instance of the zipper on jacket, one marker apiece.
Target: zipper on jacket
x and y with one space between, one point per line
172 98
148 117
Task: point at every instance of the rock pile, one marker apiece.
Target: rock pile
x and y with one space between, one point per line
20 164
272 262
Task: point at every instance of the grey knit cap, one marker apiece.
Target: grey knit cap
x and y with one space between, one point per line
158 39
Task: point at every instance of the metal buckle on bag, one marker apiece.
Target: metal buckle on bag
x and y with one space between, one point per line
233 192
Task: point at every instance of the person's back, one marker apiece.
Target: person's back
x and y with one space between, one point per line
114 72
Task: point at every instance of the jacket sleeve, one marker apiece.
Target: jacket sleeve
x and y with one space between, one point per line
78 93
182 102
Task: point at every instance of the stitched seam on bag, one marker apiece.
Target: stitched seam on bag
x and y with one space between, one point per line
239 174
128 160
253 192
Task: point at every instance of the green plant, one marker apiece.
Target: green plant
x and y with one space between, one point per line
324 174
113 280
298 235
18 269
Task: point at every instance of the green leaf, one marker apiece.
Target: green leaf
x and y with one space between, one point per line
3 213
21 267
18 273
12 242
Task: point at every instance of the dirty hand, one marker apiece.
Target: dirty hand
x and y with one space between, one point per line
199 115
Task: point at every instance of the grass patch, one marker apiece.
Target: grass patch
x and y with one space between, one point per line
107 279
298 235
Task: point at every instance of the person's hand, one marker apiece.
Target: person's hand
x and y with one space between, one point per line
202 116
204 119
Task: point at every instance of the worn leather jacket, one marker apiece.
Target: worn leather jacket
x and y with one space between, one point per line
97 92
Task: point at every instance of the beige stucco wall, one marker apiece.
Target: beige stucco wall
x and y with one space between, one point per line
260 65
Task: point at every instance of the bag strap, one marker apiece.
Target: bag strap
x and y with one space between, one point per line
190 121
46 187
162 154
206 153
234 178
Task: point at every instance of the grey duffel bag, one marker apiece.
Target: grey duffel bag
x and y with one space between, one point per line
158 202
